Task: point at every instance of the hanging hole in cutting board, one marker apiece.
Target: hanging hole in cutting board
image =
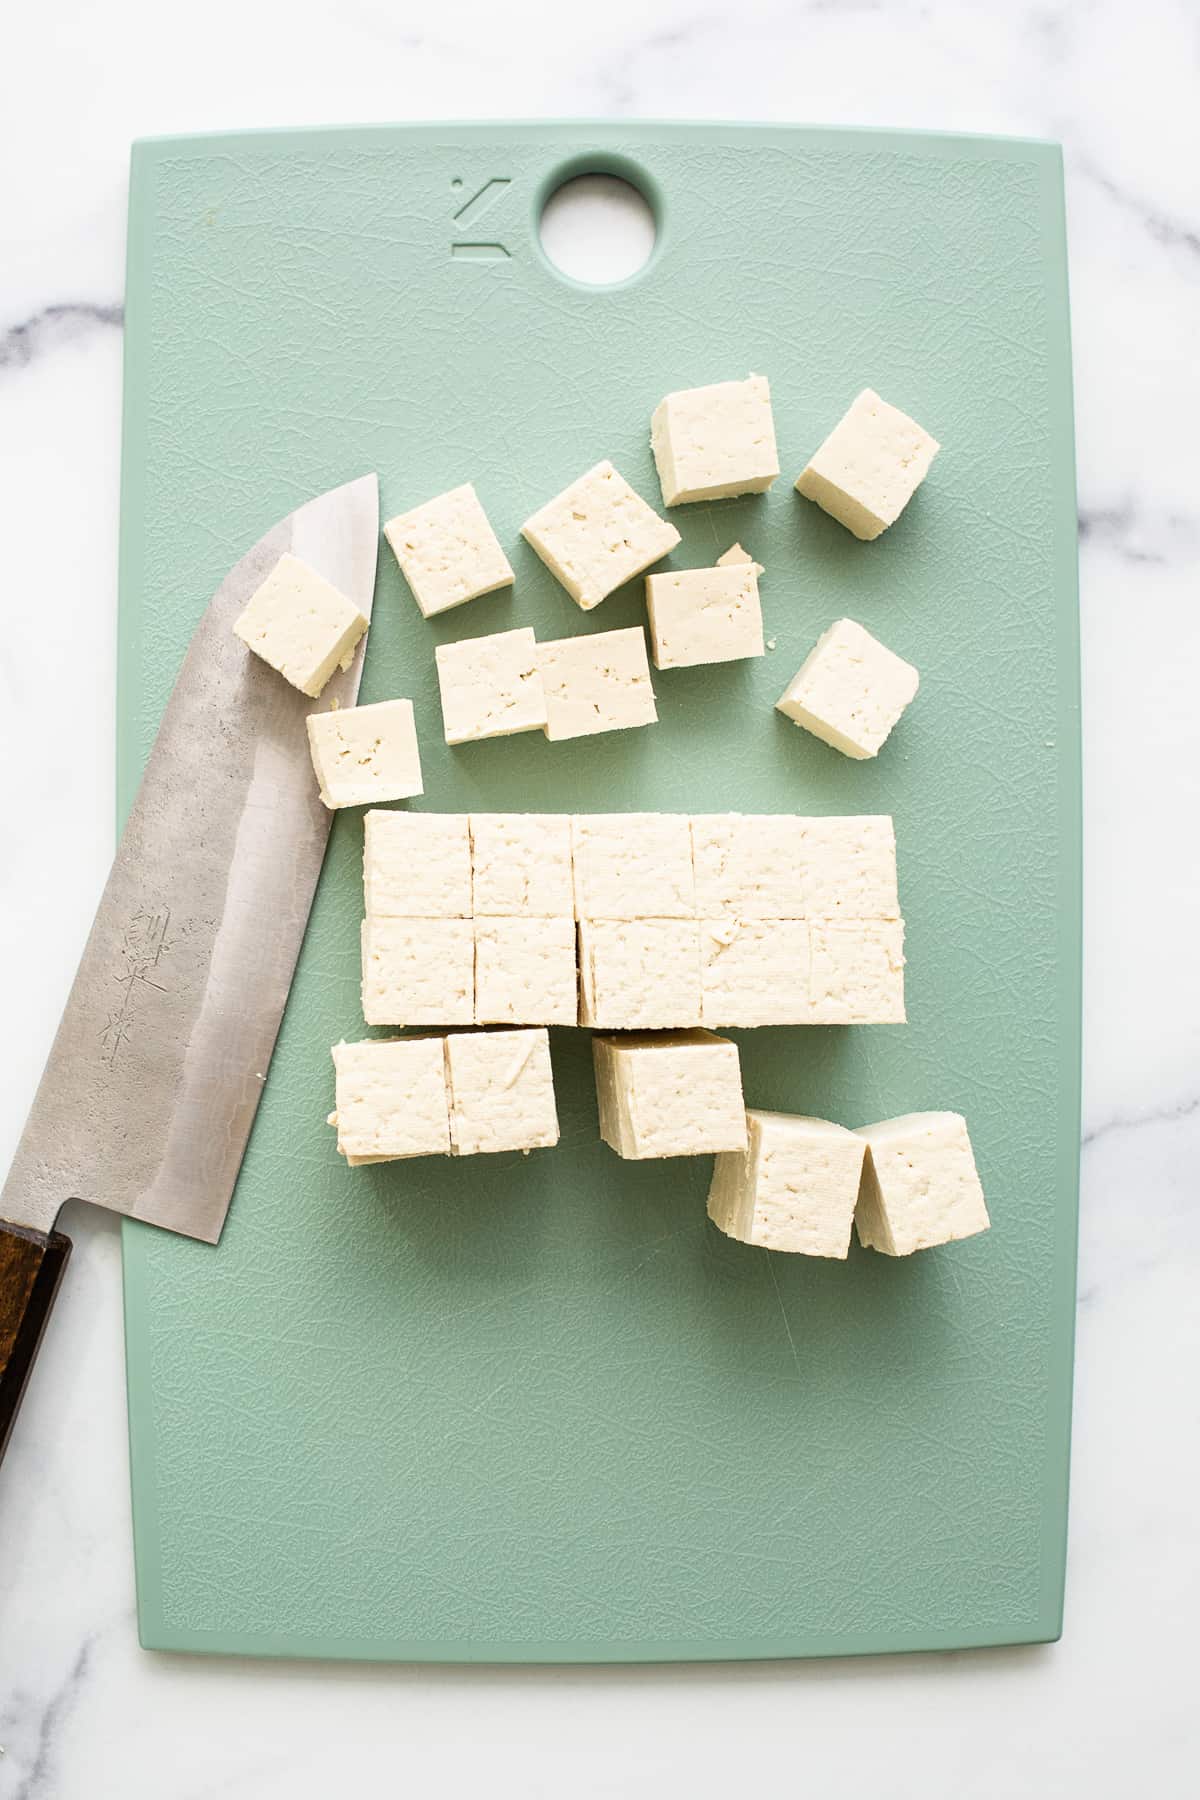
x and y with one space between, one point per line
598 229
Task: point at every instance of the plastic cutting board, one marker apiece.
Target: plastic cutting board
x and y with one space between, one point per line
538 1408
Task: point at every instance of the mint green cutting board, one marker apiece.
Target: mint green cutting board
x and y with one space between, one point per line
538 1408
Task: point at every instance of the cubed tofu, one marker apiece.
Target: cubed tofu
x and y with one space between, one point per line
598 534
713 442
490 686
857 972
418 971
793 1188
633 866
754 971
920 1186
417 865
447 551
390 1099
365 754
639 974
525 972
521 865
850 690
677 1093
300 624
869 467
501 1091
704 616
788 866
596 683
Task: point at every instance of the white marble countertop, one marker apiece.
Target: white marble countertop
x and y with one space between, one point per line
83 1711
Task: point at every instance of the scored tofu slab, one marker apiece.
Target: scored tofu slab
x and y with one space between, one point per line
525 972
755 972
785 866
632 866
418 971
521 865
417 865
639 973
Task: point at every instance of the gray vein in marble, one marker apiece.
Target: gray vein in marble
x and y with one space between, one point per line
1121 1122
62 323
1124 531
1172 233
37 1782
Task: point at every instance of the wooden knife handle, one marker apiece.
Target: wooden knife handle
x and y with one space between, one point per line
31 1266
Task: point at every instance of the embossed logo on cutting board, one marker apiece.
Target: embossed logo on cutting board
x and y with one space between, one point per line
467 215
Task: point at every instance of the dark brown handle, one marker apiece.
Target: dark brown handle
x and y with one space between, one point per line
31 1266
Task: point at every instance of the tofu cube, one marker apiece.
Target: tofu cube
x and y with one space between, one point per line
754 971
639 973
869 467
847 867
521 865
501 1091
525 972
490 686
857 973
596 683
418 971
417 865
598 534
704 616
390 1099
850 690
365 754
920 1186
793 1188
300 624
447 551
633 866
713 442
787 866
674 1094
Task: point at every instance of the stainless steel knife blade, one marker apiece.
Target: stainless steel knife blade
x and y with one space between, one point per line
156 1071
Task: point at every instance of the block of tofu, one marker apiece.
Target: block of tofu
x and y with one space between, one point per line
920 1185
639 974
633 866
857 972
418 971
754 971
501 1091
869 467
713 442
734 555
521 865
490 686
704 615
365 754
390 1099
447 551
525 972
793 1188
417 865
300 624
850 690
676 1093
596 683
597 534
787 866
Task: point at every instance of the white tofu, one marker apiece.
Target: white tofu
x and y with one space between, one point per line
674 1094
713 442
920 1185
490 686
447 551
869 467
596 683
365 754
735 555
598 534
639 973
857 972
793 1188
521 865
417 865
704 616
633 866
390 1099
300 624
788 866
754 971
418 971
850 690
501 1091
525 972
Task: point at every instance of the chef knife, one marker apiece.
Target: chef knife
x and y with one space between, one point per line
156 1071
